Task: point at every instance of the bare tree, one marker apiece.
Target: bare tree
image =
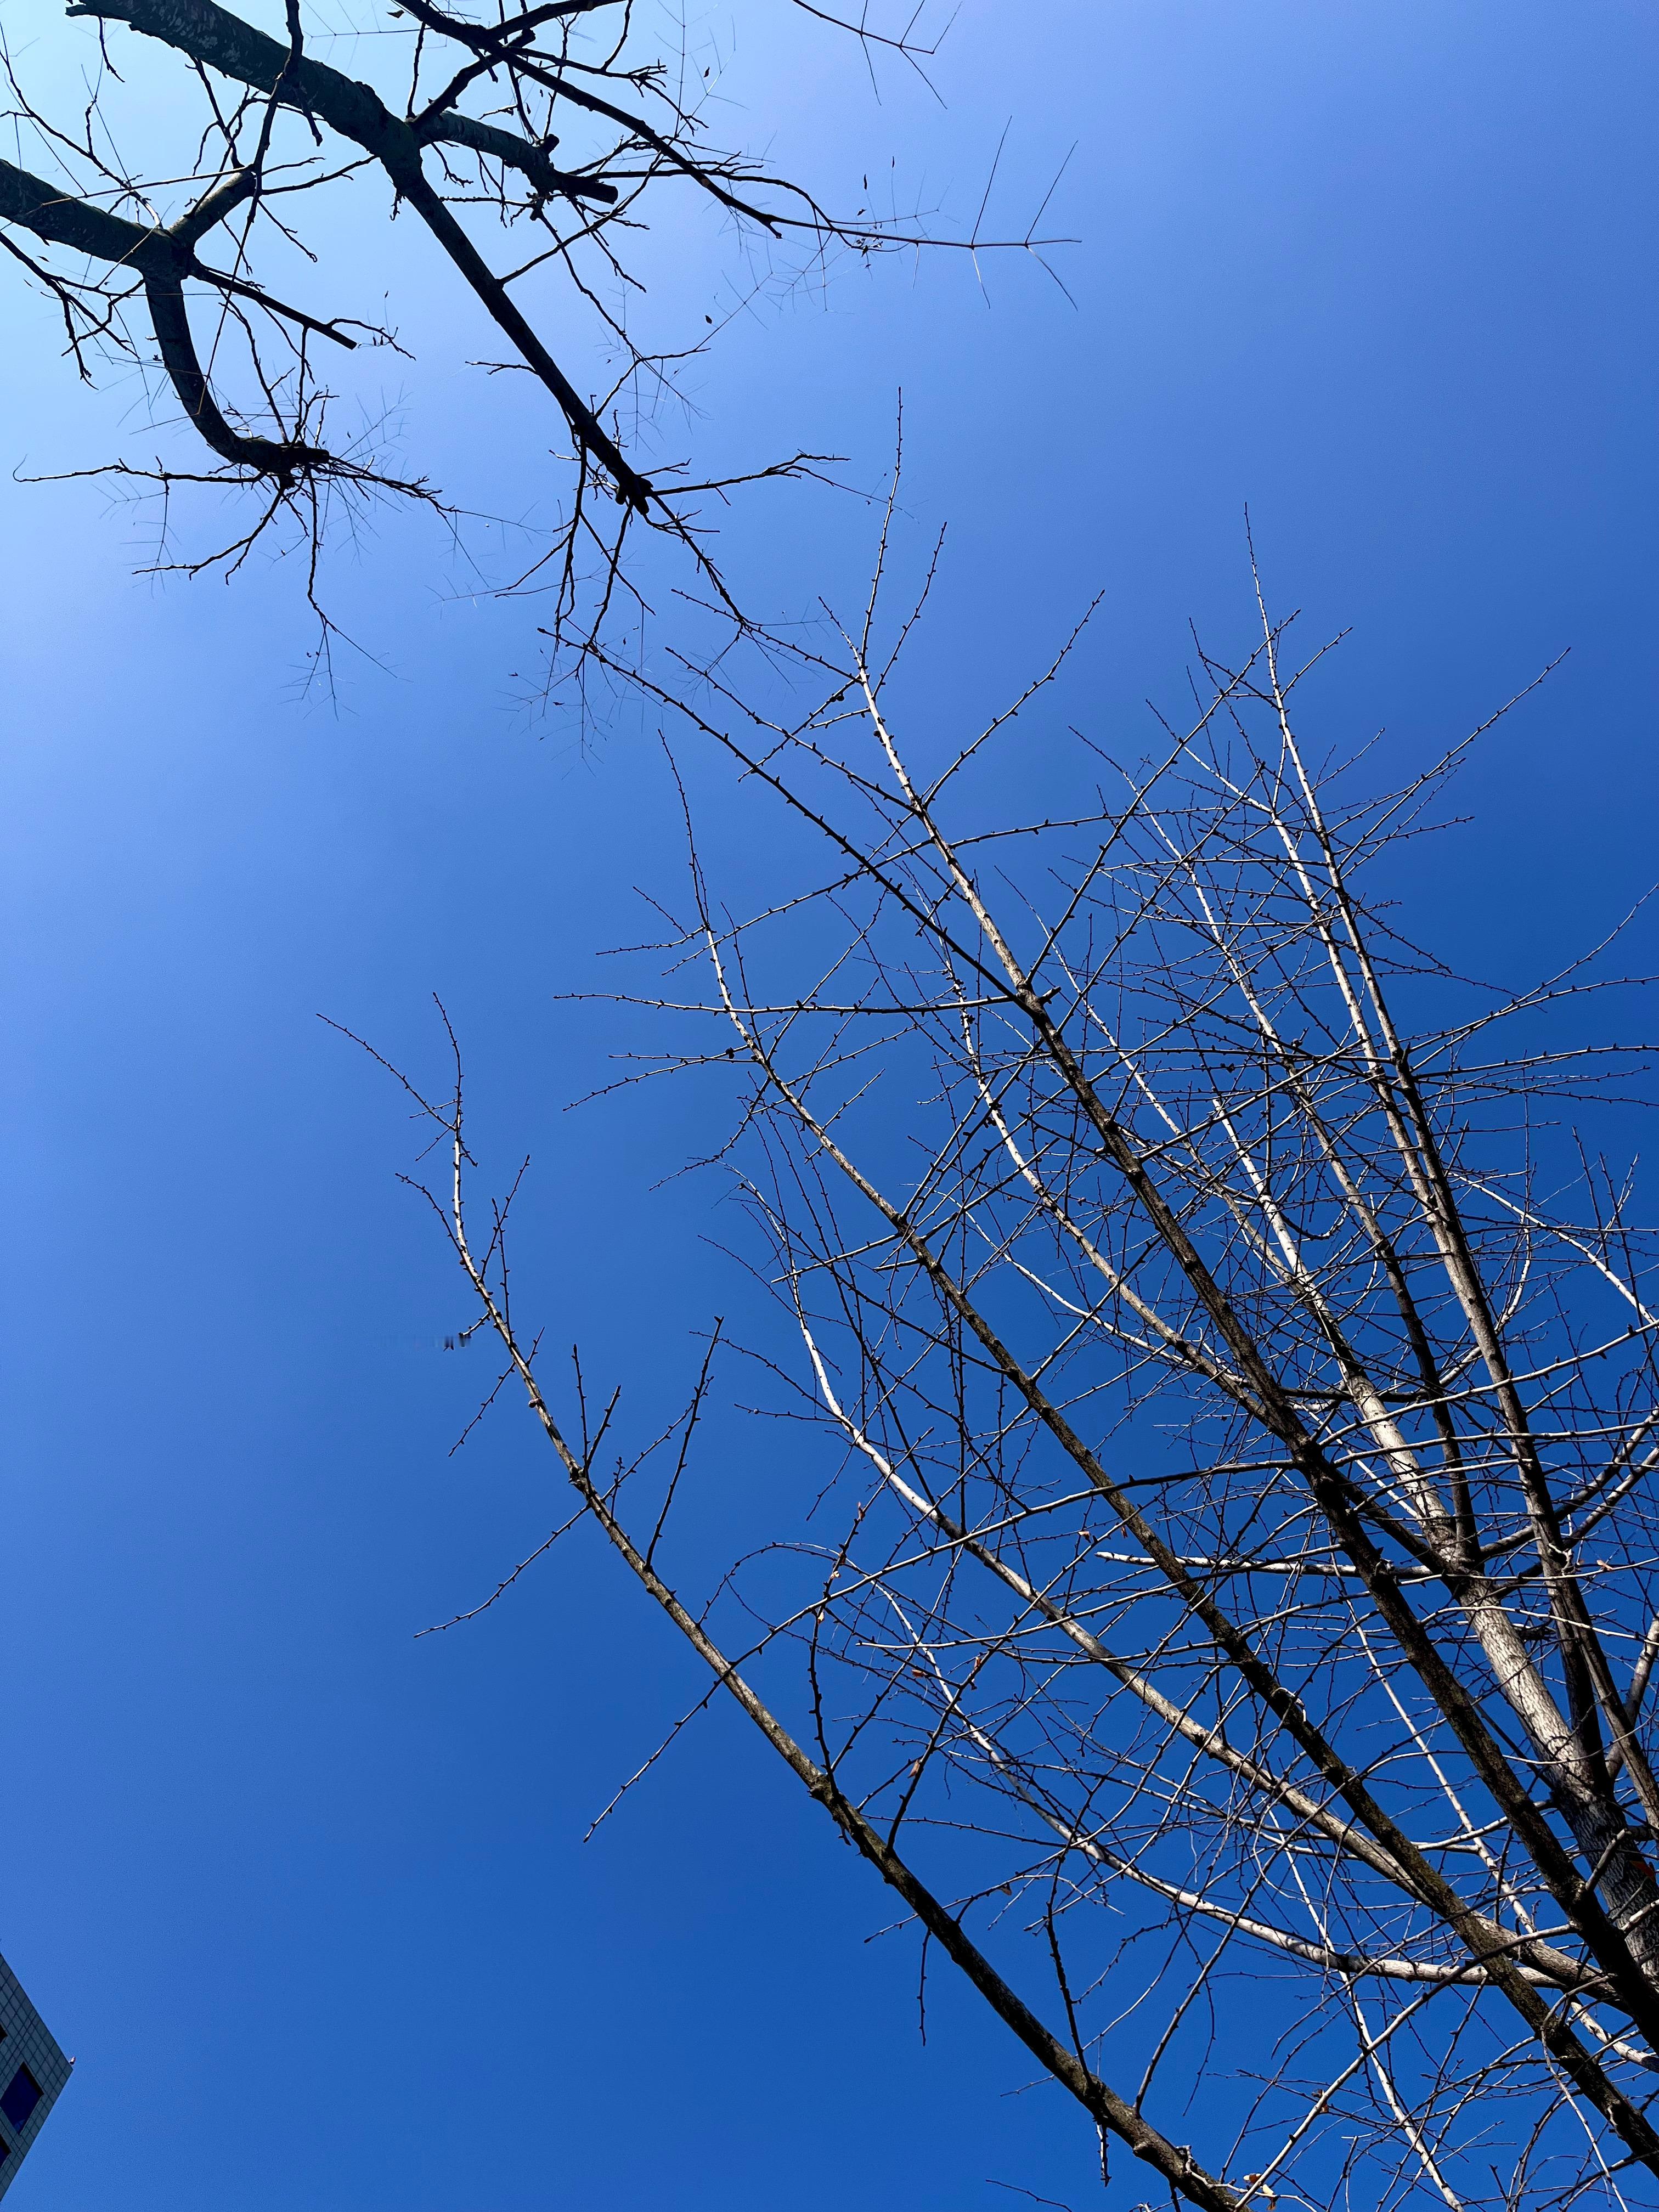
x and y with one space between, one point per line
159 225
1241 1401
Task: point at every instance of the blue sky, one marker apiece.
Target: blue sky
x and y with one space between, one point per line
308 1897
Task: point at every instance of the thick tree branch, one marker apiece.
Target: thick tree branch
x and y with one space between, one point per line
219 40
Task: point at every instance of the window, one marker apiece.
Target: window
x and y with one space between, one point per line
21 2097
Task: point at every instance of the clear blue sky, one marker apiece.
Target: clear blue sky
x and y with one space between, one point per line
308 1898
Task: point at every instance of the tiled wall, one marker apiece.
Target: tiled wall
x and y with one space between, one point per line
27 2043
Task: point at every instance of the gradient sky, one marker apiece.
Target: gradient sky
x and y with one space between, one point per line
307 1897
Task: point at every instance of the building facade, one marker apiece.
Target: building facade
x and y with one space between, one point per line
32 2069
